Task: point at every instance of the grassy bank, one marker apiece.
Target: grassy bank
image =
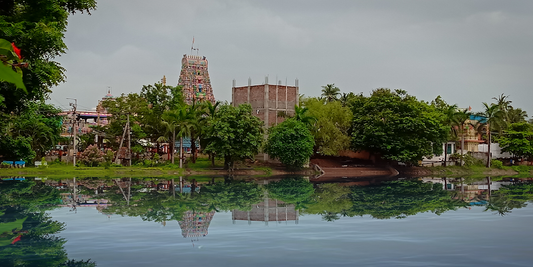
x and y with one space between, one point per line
473 171
201 167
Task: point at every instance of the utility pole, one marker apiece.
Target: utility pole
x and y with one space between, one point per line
129 142
74 123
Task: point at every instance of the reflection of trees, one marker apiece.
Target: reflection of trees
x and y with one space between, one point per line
330 201
293 190
510 197
231 194
399 199
159 206
27 231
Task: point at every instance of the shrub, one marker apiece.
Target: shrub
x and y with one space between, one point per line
496 164
92 156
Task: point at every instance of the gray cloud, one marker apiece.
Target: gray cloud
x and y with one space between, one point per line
465 51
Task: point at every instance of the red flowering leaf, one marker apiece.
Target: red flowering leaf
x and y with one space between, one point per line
17 50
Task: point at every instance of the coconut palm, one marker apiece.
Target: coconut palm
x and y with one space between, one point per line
330 92
461 120
493 120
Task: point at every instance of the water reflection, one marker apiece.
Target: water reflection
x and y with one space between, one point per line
28 234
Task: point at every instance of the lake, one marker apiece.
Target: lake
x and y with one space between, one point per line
267 222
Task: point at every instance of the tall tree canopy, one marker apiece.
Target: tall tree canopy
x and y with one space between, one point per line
331 127
397 126
291 142
234 134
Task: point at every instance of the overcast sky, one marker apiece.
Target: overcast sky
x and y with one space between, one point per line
465 51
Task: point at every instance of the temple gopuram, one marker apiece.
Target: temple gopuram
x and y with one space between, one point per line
195 224
194 79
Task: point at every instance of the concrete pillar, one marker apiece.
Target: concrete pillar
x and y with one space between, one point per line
233 94
297 92
265 110
249 88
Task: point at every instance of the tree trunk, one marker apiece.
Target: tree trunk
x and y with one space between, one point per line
173 144
212 155
462 142
193 148
488 149
181 152
445 153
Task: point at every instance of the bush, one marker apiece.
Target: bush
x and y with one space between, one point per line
92 156
496 164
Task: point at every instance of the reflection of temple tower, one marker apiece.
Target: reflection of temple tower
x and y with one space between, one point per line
194 79
270 210
195 224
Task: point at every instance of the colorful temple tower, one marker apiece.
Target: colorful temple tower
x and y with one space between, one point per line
194 79
195 224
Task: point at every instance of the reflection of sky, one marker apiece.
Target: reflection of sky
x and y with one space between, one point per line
456 238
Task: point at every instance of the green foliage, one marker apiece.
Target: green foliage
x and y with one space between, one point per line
293 190
496 164
330 200
17 148
510 197
397 126
330 92
231 195
291 142
518 140
332 125
37 28
31 133
399 199
10 72
234 134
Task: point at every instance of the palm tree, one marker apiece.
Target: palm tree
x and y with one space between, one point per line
330 92
516 115
210 111
449 119
176 119
460 120
302 114
493 118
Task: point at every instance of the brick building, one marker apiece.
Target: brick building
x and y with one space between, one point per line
269 101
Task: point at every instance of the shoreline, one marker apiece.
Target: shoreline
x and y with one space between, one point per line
367 171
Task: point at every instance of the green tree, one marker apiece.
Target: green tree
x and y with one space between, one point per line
291 142
234 134
518 140
38 28
330 92
493 120
396 126
331 129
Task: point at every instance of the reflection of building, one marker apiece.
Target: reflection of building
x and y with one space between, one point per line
194 79
270 102
195 224
270 210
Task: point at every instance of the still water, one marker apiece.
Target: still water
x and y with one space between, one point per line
273 222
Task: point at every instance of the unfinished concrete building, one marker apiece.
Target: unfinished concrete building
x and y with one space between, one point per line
270 102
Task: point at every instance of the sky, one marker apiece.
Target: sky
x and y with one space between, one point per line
466 51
